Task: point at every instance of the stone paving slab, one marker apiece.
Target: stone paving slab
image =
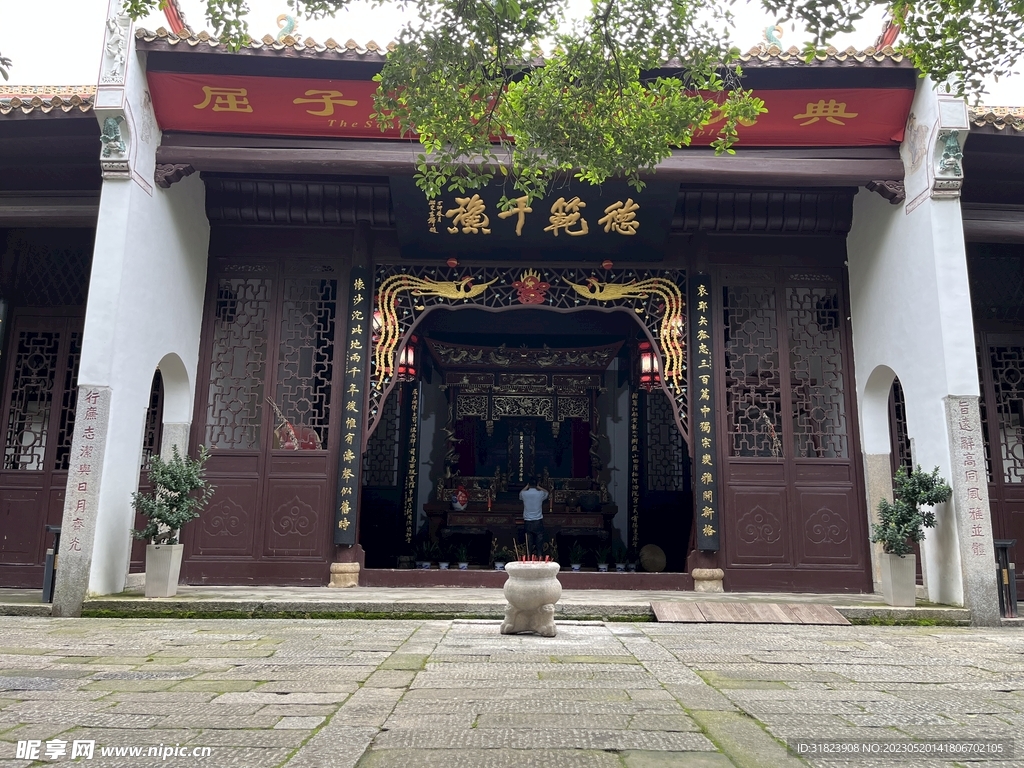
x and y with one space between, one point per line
435 693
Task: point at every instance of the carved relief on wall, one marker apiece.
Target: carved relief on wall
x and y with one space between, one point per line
759 525
225 518
827 527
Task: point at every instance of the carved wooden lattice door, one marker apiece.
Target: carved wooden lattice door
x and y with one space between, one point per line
265 412
38 420
793 515
1001 359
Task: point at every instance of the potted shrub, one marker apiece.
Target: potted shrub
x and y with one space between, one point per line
576 555
444 557
619 555
503 556
424 555
462 556
179 493
900 525
604 554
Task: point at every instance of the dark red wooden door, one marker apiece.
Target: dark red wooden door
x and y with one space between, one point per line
1001 365
268 358
793 515
38 420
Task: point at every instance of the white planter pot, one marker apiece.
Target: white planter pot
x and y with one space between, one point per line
899 578
575 566
163 565
463 566
532 589
499 566
443 565
602 567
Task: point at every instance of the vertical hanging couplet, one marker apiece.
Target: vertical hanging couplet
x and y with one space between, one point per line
634 469
412 470
358 319
705 443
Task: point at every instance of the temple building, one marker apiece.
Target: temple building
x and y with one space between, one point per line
222 249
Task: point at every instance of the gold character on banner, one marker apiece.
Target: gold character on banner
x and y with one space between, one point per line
350 423
348 456
831 110
357 315
702 306
520 210
351 406
470 216
358 284
708 512
705 459
621 217
345 507
702 290
347 474
708 530
566 214
225 99
344 524
327 100
706 478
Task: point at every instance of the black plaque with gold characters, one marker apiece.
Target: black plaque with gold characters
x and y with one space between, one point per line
577 222
705 448
357 350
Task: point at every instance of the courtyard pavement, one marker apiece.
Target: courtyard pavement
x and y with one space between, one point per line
456 693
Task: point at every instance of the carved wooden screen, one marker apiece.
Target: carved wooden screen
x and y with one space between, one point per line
1002 397
997 301
269 345
38 420
793 516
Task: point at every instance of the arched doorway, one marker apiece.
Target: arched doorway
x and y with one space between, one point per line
500 393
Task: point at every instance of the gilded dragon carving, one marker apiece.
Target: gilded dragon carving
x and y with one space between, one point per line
671 330
390 329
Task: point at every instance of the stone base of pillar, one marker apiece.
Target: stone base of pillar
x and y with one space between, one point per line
344 575
708 579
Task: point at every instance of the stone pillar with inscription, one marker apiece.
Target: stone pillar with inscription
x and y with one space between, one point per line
82 500
971 510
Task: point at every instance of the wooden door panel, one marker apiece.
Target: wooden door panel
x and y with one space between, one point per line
757 522
297 520
227 525
823 473
826 532
21 526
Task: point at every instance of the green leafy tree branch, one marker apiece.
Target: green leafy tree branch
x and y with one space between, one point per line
180 491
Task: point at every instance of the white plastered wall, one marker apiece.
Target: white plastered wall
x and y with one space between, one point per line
144 310
911 315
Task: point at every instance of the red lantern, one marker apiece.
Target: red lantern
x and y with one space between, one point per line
407 361
452 262
375 323
607 264
650 371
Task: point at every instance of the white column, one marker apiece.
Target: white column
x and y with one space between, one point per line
145 306
911 315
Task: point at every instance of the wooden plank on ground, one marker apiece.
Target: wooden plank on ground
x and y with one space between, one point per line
682 613
772 613
816 613
726 613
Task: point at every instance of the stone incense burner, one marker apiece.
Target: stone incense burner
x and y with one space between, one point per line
532 589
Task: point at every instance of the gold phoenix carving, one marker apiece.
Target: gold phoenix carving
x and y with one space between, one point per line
670 332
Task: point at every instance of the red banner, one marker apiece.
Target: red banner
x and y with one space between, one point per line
278 106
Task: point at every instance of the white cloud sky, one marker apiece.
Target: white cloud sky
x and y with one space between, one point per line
59 42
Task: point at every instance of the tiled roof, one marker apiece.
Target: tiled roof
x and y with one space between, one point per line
999 118
46 99
164 40
161 39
